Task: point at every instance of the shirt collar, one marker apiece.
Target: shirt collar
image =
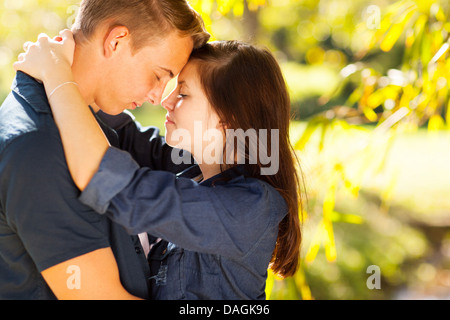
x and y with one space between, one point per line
32 91
225 176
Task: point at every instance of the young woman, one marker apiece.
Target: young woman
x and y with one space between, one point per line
220 234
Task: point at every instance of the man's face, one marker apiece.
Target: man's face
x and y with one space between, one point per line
133 78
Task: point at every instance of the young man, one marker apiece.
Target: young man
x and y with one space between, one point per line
52 246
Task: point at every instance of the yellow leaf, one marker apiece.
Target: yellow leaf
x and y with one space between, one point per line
391 37
300 281
410 38
310 128
442 50
315 244
447 115
238 9
330 246
396 29
436 123
370 114
224 6
438 12
346 217
269 283
330 197
375 99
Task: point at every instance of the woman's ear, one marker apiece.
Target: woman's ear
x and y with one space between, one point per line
115 39
222 126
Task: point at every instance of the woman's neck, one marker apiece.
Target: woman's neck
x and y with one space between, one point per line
209 170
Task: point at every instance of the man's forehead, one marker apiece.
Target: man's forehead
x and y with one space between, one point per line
171 57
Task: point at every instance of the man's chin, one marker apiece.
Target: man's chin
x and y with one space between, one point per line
112 111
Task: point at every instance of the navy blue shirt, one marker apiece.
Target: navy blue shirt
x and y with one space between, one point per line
42 222
220 234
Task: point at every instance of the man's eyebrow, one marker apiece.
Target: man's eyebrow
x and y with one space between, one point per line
168 71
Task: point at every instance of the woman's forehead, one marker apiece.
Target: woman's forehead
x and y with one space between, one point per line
189 75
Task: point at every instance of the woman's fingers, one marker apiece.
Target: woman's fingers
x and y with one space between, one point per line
18 64
43 37
46 53
66 34
26 45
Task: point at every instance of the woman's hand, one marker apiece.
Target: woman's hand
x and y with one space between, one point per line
48 58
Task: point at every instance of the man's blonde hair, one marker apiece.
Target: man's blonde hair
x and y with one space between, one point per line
145 19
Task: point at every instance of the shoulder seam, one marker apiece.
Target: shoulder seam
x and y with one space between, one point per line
11 141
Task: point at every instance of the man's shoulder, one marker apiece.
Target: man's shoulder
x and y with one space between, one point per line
17 119
24 110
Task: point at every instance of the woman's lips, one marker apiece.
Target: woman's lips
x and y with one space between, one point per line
169 120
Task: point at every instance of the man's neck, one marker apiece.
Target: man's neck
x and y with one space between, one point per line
84 71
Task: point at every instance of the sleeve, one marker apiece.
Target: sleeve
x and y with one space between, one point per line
145 144
220 220
42 203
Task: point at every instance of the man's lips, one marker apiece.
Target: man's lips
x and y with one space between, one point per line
135 105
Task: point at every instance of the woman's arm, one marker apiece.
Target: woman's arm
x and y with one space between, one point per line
83 140
228 219
145 144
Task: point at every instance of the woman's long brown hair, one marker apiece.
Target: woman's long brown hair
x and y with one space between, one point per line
245 86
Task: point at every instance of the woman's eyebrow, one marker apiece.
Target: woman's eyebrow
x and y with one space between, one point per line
183 83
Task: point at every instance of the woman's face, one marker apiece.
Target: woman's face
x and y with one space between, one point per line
191 123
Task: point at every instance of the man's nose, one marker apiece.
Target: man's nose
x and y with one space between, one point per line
155 95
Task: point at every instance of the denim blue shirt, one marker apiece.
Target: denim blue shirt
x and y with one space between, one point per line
220 233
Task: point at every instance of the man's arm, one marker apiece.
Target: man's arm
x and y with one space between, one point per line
91 276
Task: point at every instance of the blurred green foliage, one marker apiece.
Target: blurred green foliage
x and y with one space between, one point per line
369 83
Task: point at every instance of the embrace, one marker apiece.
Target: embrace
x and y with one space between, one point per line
95 206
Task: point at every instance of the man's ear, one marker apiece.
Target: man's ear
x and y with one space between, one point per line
115 39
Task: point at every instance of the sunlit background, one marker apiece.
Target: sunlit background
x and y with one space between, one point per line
369 84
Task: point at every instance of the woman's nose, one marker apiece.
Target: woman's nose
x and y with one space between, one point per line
170 102
167 104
